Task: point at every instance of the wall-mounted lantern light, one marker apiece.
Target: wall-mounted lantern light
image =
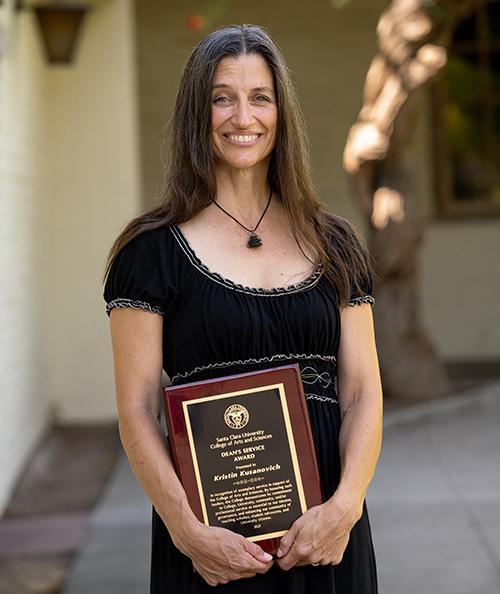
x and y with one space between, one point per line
60 24
60 27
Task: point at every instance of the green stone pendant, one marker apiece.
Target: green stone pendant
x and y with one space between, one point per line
254 241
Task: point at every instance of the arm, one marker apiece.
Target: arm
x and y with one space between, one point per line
321 534
360 397
218 554
137 348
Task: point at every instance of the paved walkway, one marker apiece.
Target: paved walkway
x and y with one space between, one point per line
435 499
434 506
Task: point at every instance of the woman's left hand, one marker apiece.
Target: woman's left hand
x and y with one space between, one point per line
320 535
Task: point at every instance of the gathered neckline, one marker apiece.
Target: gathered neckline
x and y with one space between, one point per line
309 281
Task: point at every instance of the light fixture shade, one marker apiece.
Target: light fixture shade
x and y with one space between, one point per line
60 28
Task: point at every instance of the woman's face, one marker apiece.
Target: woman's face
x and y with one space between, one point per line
244 111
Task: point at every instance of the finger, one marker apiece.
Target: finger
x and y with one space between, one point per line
208 579
257 552
290 559
286 563
236 575
287 541
250 563
307 562
263 568
246 574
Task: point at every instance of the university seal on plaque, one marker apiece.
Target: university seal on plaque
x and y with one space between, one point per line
236 416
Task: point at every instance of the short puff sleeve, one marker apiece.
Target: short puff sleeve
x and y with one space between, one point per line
365 296
362 294
137 278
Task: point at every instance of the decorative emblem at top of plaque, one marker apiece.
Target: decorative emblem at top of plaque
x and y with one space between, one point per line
236 416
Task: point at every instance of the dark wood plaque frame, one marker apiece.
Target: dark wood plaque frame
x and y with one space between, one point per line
287 375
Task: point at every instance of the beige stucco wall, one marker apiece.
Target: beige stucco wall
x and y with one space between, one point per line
329 52
91 188
23 403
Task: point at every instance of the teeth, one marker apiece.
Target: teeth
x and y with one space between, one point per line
245 138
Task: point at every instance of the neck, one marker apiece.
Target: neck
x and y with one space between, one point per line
243 193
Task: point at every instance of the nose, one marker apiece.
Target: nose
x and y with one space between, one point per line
242 115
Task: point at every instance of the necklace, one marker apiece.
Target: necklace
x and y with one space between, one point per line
254 240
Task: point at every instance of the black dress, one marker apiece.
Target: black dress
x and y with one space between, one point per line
213 326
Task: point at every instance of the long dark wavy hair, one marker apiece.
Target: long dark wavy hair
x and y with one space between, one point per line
190 183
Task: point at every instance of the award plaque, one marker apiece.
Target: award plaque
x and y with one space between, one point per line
243 450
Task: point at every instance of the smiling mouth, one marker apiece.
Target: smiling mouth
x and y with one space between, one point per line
242 139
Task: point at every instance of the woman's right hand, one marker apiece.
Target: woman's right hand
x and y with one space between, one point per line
220 555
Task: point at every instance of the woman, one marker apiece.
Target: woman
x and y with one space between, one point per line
240 268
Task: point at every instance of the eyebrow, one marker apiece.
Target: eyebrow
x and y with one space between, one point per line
258 89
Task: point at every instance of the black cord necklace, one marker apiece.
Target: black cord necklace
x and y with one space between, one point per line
254 240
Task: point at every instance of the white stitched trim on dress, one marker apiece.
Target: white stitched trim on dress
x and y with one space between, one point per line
312 280
321 398
278 357
122 302
363 299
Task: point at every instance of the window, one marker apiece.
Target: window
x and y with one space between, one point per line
466 109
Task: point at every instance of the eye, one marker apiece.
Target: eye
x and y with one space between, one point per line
218 99
263 97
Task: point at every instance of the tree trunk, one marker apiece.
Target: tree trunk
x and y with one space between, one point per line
411 368
377 159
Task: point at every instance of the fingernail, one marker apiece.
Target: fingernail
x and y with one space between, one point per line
279 553
267 556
